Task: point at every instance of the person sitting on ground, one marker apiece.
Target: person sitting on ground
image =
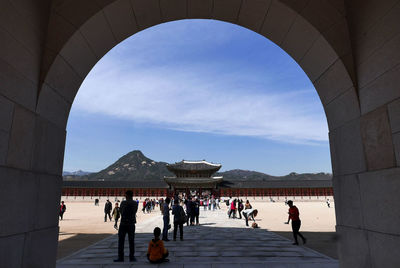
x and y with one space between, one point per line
249 214
157 253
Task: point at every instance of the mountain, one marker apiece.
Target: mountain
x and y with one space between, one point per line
76 173
135 166
239 174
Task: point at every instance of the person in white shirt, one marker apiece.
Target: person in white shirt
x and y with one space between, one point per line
249 213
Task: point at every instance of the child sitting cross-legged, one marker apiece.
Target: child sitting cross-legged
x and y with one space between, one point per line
156 252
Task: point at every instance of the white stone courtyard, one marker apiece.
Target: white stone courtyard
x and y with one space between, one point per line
217 242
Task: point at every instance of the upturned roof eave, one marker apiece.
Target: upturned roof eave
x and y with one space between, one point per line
186 165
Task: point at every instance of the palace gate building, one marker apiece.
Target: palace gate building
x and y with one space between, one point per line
193 176
197 177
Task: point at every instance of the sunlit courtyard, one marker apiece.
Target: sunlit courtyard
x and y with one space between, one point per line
217 236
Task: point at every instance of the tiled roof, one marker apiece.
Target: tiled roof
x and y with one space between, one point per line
193 165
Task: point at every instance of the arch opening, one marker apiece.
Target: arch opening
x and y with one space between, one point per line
325 58
150 94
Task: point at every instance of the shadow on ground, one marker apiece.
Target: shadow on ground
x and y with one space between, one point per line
207 246
323 242
76 242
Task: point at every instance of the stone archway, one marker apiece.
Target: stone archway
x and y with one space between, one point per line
343 49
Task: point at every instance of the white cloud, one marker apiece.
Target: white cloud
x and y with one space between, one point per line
198 100
140 81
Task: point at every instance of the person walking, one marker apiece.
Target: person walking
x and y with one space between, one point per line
107 210
179 219
232 212
187 209
116 215
296 223
229 204
63 208
128 211
144 206
197 210
328 203
240 208
166 219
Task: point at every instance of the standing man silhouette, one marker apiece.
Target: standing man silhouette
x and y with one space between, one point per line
107 210
63 208
128 209
166 219
294 216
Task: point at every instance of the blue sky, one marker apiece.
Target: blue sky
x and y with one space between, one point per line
199 89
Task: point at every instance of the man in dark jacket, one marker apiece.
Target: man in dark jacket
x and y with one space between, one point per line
107 210
63 208
166 219
128 209
191 209
197 210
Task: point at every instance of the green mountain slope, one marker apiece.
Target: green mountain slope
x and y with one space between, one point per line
132 166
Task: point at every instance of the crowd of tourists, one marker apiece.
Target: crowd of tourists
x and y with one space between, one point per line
149 205
236 209
185 210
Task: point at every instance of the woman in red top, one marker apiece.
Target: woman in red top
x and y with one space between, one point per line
294 216
233 208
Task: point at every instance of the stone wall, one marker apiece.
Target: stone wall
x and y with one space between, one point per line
348 49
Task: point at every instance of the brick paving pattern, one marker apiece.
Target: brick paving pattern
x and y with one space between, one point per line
218 242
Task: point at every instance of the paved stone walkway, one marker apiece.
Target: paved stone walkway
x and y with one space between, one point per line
218 242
